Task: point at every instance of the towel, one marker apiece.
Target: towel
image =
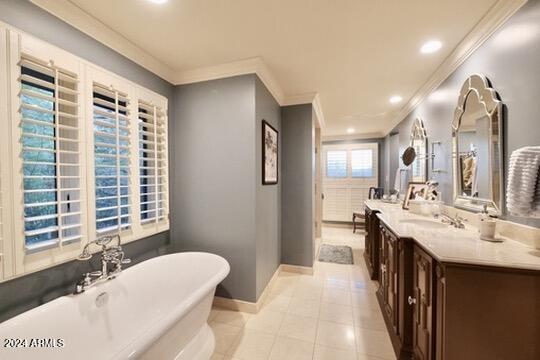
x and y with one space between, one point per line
523 187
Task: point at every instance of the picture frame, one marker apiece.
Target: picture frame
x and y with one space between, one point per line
414 190
270 154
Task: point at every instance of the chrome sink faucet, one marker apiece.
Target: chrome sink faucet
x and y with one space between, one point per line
112 259
457 222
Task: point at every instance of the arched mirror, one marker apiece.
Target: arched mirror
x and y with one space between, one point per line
477 147
420 144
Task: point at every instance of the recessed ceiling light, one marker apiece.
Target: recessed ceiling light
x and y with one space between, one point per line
395 99
431 47
158 1
350 130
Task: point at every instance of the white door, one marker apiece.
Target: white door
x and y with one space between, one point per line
349 170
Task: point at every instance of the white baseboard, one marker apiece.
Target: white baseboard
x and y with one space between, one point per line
297 269
254 307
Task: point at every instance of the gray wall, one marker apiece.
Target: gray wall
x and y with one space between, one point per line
268 197
24 293
381 153
213 176
297 218
509 59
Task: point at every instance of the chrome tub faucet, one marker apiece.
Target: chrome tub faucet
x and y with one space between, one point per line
112 259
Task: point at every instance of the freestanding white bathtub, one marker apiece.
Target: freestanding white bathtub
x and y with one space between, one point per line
155 310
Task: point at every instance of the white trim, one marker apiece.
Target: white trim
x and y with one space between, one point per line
6 221
81 20
497 15
255 307
235 68
306 270
352 137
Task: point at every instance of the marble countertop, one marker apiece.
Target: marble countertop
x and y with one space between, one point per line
448 244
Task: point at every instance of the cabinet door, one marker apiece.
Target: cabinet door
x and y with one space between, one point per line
369 236
392 270
383 261
422 305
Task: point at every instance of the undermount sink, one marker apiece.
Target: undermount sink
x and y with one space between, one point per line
424 223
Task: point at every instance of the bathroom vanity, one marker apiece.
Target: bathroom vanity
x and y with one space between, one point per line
447 295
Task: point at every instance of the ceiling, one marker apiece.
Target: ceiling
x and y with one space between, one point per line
355 54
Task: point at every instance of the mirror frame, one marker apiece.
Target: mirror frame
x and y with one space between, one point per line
418 132
493 106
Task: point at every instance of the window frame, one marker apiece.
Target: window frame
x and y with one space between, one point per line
16 261
27 261
349 148
6 195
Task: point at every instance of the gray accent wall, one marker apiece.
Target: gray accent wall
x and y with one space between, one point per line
213 176
268 197
24 293
220 203
509 59
297 185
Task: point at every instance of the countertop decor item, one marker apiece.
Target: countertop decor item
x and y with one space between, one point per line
270 154
415 191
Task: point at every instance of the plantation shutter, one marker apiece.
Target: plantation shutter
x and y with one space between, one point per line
112 159
50 130
336 163
152 163
362 163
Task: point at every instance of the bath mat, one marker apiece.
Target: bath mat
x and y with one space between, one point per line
337 254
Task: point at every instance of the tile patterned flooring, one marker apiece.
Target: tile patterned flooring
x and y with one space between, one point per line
331 315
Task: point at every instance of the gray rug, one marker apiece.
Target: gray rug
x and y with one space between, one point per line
336 254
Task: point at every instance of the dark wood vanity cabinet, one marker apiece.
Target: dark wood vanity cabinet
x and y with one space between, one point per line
372 240
422 305
395 279
447 311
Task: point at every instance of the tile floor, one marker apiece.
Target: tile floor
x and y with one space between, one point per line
331 315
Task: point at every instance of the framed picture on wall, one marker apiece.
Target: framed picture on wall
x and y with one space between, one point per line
270 154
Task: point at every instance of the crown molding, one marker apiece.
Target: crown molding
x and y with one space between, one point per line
497 15
298 99
81 20
235 68
317 108
351 137
251 66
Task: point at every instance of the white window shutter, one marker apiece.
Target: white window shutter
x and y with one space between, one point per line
50 140
111 119
153 163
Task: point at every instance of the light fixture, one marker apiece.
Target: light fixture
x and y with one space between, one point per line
350 130
158 1
395 99
431 47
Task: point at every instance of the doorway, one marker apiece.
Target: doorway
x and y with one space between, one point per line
349 170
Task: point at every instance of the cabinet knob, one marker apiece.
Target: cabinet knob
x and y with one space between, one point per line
411 300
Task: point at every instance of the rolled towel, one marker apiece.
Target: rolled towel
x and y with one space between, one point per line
523 187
